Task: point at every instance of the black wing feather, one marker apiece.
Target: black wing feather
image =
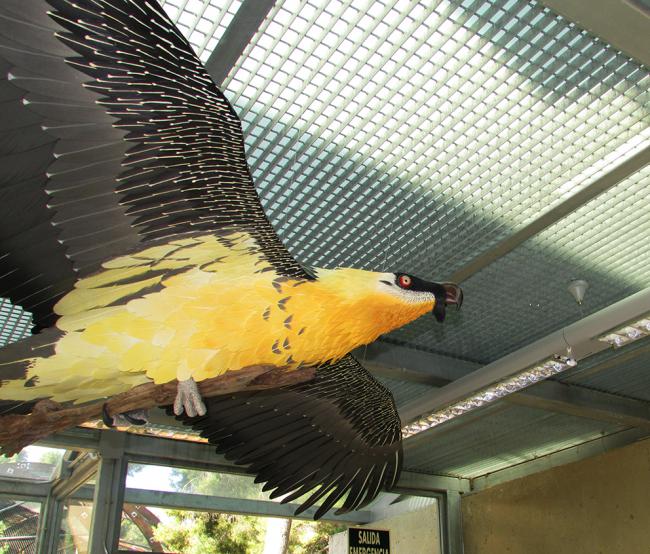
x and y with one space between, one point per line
336 435
128 140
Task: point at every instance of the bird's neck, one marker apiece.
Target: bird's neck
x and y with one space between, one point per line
354 311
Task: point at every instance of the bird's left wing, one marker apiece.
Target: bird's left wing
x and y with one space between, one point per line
114 138
336 435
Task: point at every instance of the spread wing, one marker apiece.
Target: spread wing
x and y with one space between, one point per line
113 138
114 142
336 435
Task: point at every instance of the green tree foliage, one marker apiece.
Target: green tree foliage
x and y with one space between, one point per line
308 537
199 533
4 548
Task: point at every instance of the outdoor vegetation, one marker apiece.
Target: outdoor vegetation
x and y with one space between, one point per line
4 548
219 533
201 532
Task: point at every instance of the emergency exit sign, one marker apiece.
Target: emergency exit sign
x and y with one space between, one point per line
368 541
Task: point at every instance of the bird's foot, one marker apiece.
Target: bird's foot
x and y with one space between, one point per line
188 399
133 417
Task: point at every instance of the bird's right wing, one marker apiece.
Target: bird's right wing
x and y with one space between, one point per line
335 435
113 138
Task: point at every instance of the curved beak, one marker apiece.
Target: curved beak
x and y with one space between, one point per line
447 293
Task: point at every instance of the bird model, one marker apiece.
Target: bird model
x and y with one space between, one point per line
132 231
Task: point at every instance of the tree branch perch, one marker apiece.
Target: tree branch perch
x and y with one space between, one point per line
47 417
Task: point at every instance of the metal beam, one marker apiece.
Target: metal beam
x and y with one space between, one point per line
573 399
108 498
242 28
24 489
583 402
76 438
600 185
408 364
623 24
178 453
79 471
263 508
562 457
579 335
209 503
73 475
451 526
148 449
566 398
421 484
49 525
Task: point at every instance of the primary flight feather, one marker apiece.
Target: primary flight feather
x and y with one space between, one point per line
132 231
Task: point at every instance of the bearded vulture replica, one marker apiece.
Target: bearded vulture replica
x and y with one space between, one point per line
132 231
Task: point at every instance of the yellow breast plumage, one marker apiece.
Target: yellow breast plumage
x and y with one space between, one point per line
202 306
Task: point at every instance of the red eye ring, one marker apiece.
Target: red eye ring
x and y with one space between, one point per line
404 281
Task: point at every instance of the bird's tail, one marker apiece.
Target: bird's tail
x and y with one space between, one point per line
40 367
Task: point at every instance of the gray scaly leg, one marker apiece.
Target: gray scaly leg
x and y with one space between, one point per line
188 399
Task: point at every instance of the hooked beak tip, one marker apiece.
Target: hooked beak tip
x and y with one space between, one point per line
453 295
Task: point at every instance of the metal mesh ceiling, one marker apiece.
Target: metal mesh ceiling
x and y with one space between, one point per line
203 22
415 137
522 296
15 323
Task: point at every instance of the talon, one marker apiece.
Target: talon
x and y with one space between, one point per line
188 399
134 417
106 417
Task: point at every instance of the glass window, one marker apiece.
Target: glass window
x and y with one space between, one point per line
33 463
150 529
75 527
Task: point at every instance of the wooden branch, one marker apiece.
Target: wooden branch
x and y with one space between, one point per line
47 417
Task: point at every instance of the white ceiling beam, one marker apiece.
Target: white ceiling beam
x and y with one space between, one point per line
580 336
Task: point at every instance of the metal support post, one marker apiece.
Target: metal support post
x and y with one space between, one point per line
49 525
72 475
109 494
451 526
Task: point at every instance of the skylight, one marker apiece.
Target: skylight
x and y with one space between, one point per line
201 21
484 110
15 323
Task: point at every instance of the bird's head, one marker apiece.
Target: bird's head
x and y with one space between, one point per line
413 290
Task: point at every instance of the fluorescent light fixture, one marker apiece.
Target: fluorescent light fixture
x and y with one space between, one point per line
628 333
548 368
625 334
